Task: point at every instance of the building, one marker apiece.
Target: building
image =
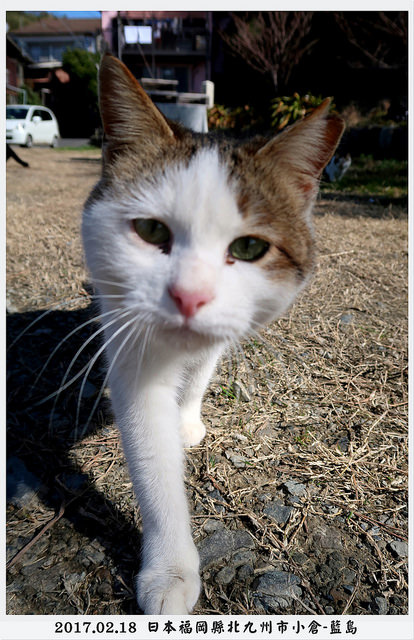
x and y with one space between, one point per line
46 40
16 62
165 45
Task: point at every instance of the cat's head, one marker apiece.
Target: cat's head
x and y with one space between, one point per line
195 236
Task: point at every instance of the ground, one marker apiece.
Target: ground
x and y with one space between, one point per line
299 491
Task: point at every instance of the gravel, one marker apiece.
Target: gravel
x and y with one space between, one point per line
295 488
399 548
222 543
275 590
278 512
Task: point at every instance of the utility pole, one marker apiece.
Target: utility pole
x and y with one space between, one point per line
209 23
119 32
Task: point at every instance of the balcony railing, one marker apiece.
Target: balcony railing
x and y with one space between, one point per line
165 41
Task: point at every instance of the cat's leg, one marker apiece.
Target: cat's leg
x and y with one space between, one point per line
196 378
148 416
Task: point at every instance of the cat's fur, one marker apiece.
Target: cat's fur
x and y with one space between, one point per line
177 307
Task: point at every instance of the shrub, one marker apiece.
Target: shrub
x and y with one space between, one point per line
238 118
288 109
32 96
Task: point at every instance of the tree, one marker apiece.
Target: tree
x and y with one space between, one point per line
78 99
272 42
82 67
381 38
18 19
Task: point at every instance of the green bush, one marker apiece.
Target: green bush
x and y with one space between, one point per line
238 118
286 110
32 97
77 100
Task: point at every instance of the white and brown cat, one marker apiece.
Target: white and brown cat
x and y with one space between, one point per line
193 243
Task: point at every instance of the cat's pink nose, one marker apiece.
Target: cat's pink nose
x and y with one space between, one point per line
189 302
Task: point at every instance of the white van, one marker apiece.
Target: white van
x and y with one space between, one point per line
28 124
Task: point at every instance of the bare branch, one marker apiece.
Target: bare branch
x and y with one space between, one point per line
272 42
367 34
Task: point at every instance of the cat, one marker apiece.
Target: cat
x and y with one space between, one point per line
337 167
192 243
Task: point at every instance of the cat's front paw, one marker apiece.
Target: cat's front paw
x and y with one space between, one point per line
167 591
192 433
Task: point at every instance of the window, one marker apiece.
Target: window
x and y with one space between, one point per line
182 74
34 52
16 113
41 113
39 52
57 51
44 52
134 34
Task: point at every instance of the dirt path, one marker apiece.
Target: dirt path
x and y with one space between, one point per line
298 493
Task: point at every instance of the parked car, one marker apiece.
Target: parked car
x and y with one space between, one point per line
28 124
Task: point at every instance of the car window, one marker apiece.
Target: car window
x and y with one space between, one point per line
37 112
16 113
46 115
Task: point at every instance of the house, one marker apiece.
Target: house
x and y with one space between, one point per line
166 45
46 40
16 62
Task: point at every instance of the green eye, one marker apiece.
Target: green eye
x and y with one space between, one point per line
248 248
152 231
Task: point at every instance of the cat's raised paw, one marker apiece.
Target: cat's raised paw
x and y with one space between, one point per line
192 433
167 592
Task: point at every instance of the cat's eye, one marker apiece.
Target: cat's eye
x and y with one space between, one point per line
248 248
152 231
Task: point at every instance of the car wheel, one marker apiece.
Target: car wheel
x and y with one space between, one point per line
54 142
29 141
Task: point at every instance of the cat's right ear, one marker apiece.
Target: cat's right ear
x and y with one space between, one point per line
304 148
129 117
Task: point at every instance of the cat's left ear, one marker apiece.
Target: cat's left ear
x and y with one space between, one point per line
305 148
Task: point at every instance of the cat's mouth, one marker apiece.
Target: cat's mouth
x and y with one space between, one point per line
190 333
188 329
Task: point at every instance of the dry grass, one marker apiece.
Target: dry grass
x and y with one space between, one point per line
327 403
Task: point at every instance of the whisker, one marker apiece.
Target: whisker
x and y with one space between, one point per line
104 383
268 374
86 367
273 353
92 362
149 330
69 335
45 313
105 296
268 345
65 384
110 282
234 352
250 377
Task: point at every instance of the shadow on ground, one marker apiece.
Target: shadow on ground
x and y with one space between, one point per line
43 445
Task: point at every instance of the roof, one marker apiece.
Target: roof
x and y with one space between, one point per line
53 25
14 51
